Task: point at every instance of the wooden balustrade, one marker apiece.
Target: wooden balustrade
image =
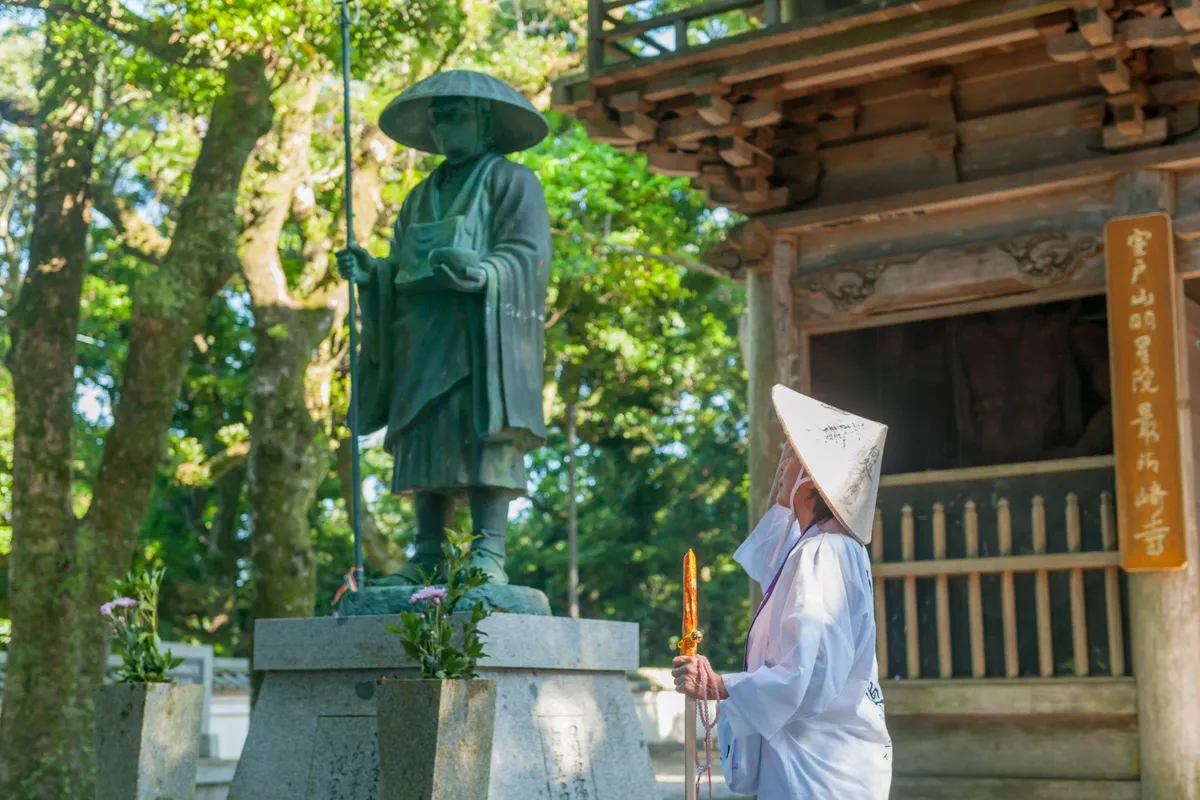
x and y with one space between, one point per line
1020 596
624 30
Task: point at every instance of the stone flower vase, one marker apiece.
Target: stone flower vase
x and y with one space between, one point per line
435 738
148 741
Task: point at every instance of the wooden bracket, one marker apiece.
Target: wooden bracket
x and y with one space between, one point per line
1129 112
1193 41
687 129
1154 131
761 168
777 198
1130 119
739 153
630 100
756 191
1187 13
674 164
706 83
1151 9
601 127
1069 48
1113 74
763 138
637 126
1145 32
717 175
1095 25
760 113
713 109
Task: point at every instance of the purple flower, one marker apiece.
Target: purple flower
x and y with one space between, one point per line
120 602
433 594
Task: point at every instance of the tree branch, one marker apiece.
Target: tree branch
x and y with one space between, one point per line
19 111
138 236
604 244
208 473
158 38
282 161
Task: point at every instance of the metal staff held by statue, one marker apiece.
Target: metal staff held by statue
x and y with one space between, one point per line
354 578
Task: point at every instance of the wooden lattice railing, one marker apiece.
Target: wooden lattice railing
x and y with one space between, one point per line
624 30
1063 643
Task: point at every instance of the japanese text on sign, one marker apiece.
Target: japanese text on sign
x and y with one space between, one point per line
1146 424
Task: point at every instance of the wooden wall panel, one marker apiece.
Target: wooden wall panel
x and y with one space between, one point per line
1095 748
906 788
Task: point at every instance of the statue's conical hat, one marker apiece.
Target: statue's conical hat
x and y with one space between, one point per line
516 124
843 454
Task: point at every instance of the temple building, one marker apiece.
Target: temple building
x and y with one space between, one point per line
977 221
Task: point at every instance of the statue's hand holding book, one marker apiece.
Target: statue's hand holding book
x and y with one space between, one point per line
457 268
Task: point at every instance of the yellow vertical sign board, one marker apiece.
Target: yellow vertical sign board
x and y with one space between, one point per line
1143 336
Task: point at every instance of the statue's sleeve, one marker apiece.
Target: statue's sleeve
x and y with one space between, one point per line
373 382
518 271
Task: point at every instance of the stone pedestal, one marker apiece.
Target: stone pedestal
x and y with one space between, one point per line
565 726
147 740
382 598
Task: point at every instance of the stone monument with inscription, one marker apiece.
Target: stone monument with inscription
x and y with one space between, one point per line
566 726
451 366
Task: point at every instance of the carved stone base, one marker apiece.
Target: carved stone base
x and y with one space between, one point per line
376 600
566 727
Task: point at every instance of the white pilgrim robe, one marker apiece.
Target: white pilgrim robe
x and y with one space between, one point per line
812 686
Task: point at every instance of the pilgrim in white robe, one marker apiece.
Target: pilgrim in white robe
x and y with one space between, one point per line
808 706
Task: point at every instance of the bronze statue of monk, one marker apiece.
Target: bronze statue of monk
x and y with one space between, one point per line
453 317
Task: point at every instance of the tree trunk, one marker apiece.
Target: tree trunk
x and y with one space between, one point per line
169 309
45 727
61 569
289 450
289 455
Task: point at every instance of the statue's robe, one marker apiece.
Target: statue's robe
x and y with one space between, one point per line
456 377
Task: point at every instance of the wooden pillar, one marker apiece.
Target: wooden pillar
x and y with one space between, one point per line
791 367
773 350
1164 607
595 44
764 433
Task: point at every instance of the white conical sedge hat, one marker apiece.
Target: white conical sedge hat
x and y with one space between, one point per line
842 452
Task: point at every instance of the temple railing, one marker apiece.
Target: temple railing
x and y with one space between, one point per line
628 30
1000 572
627 34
